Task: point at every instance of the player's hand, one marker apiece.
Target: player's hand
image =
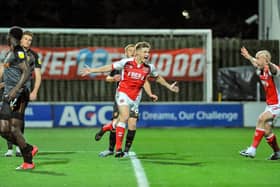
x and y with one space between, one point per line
33 96
174 88
85 71
117 78
12 94
245 53
154 97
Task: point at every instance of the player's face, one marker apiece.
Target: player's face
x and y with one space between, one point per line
130 52
143 54
261 61
26 41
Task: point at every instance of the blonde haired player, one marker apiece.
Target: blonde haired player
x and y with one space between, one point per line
269 76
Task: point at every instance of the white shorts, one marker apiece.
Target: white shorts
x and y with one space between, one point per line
122 99
274 109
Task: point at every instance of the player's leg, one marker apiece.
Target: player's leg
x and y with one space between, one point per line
131 131
112 142
5 128
271 138
133 118
10 152
124 103
18 152
27 150
120 128
103 130
258 135
112 136
109 126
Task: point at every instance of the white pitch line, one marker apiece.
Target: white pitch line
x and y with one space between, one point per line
136 163
139 170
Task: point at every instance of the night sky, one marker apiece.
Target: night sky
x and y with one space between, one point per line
225 18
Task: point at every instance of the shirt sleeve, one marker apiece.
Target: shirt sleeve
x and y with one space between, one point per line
119 64
38 62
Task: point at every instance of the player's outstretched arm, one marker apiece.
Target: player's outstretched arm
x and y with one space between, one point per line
172 87
245 53
87 70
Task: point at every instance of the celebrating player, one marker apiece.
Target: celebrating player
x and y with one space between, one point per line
114 76
133 76
269 75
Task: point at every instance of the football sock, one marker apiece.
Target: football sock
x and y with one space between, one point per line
10 145
26 153
119 136
129 139
112 140
259 133
271 140
107 127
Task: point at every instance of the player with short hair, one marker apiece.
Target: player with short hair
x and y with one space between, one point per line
134 74
114 76
269 75
25 42
15 76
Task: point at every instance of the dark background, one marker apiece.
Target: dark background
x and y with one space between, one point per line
225 18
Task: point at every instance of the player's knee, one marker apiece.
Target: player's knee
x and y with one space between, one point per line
261 119
134 114
123 117
269 122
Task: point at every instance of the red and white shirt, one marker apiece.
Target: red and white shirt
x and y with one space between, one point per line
133 76
271 85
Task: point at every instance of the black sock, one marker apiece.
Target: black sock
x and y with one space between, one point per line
26 153
129 139
10 145
112 140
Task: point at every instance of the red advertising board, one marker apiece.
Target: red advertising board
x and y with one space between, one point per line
185 64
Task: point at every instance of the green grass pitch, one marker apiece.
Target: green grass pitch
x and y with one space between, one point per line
199 157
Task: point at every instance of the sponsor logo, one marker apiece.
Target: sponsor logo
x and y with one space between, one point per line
84 116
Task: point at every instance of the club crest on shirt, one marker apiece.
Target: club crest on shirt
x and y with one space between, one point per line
20 54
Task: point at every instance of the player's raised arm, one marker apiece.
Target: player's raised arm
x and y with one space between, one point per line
245 53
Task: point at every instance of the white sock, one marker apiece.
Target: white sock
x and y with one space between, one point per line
10 151
17 149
